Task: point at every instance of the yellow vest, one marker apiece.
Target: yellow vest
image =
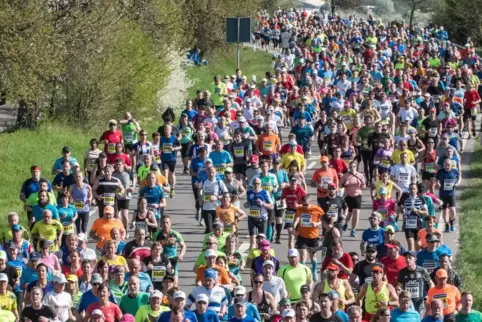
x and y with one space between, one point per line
372 299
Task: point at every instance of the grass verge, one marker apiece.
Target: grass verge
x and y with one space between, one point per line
469 259
223 62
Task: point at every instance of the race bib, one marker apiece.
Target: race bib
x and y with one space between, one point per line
167 148
289 216
79 205
403 177
413 288
141 225
323 253
473 112
220 170
267 187
368 279
268 146
386 164
411 223
429 266
158 273
68 228
347 119
279 204
185 132
111 148
436 99
325 181
430 167
91 164
442 297
207 198
383 211
158 158
109 199
128 137
238 152
433 132
449 184
306 220
256 213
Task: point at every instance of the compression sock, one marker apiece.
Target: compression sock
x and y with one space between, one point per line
269 232
313 265
278 230
452 222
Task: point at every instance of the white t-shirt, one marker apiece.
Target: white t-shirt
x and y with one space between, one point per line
61 303
407 115
276 287
212 188
403 174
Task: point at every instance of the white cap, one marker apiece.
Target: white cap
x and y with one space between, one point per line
157 294
239 290
268 262
59 278
293 252
210 253
202 298
241 119
179 294
89 256
288 313
3 277
343 64
82 237
97 312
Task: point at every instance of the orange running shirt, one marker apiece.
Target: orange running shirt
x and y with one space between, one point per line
322 178
308 216
449 295
103 227
268 144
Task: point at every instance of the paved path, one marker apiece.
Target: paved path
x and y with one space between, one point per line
181 208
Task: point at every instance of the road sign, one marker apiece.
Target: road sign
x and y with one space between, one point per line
238 30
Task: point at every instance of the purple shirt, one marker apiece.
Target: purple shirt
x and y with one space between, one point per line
257 264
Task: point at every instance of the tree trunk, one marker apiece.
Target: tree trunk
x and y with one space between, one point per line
333 5
412 12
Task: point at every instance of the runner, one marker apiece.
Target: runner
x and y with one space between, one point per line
169 145
353 182
448 179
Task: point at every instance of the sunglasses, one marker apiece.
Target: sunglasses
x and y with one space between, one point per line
211 243
258 282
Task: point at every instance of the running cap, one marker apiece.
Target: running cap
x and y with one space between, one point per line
59 278
112 122
288 313
179 294
210 253
210 273
268 262
3 277
96 279
264 245
97 312
239 290
441 273
66 149
293 252
240 301
109 210
202 298
34 256
16 227
156 293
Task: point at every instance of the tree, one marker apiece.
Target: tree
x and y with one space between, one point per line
416 5
344 4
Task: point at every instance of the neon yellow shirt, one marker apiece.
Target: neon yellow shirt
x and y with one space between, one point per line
145 310
8 301
33 199
47 231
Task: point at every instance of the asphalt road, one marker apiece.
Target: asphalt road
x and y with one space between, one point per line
182 210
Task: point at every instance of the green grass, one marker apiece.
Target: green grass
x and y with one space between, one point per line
223 62
41 147
469 259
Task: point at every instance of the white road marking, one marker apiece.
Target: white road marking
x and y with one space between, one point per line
311 165
243 248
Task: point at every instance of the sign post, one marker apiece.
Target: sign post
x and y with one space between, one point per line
238 30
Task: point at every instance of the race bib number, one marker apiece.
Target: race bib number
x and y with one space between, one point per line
411 223
158 273
289 216
167 148
306 220
91 164
403 177
141 225
207 198
268 146
158 158
386 164
109 199
79 205
185 132
128 138
323 253
19 270
449 184
267 187
220 170
436 99
325 181
68 228
429 266
430 167
368 279
473 112
279 204
111 148
239 152
347 119
383 211
433 132
256 213
413 288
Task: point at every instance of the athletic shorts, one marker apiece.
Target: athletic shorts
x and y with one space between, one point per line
278 213
171 165
402 200
411 233
123 204
468 115
128 147
353 202
174 265
428 175
257 223
239 169
271 213
448 202
307 243
185 147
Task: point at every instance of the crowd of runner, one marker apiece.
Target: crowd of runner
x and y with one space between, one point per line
388 109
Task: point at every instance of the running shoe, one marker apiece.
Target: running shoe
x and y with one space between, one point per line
345 227
452 228
352 234
172 194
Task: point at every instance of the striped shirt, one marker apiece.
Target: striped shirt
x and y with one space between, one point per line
217 297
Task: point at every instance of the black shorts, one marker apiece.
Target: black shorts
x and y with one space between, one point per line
128 147
278 212
402 200
271 213
171 165
307 243
257 223
411 233
185 147
428 175
353 202
448 202
239 169
123 204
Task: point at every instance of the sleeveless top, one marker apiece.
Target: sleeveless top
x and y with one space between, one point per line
263 306
371 298
108 188
413 147
340 289
380 184
325 245
233 191
347 155
142 222
80 198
